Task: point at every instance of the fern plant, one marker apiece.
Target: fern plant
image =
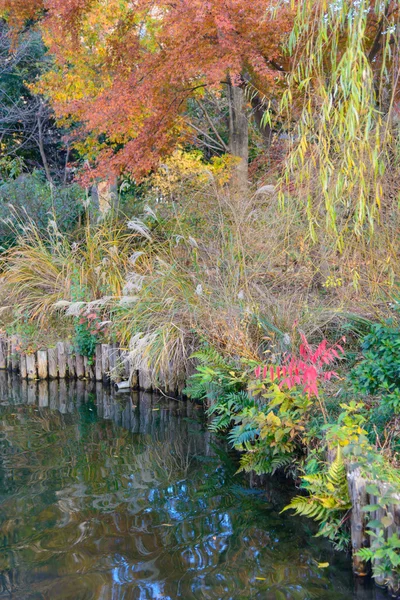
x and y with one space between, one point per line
215 377
328 497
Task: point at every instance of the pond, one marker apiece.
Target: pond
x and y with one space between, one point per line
109 496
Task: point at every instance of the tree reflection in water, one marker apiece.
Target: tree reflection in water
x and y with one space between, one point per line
120 498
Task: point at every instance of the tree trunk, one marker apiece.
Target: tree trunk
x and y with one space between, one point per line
40 142
239 135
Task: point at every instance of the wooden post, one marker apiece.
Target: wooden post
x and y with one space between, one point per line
71 362
31 366
3 354
105 362
145 383
125 364
52 360
89 371
112 359
99 363
9 361
134 378
14 354
62 360
359 538
42 364
22 366
80 367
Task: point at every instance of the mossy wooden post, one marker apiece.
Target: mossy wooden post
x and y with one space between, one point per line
42 363
62 360
99 363
88 366
22 366
14 354
9 361
105 360
3 354
80 367
71 362
359 499
134 378
31 370
52 360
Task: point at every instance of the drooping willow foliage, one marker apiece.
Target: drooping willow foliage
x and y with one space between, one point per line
345 85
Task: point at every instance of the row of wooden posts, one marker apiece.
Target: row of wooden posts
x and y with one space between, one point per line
110 362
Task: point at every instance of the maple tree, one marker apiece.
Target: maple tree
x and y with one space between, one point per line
125 71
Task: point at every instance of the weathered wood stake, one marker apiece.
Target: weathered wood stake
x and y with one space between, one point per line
42 364
105 361
14 354
22 366
359 538
3 354
52 359
71 362
62 360
31 370
99 363
80 367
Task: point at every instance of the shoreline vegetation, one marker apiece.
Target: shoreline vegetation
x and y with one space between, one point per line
227 229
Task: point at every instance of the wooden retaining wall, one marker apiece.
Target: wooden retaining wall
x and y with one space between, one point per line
110 363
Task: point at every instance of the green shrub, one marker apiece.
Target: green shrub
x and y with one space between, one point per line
379 371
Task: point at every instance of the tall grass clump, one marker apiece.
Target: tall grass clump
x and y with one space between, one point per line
46 268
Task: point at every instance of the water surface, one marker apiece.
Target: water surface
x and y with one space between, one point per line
119 497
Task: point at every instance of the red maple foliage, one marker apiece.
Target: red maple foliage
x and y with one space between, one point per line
307 370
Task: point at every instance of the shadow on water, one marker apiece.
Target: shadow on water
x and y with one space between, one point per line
119 497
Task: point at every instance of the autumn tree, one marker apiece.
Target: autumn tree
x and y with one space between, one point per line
126 71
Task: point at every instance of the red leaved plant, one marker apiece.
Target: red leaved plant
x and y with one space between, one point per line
307 370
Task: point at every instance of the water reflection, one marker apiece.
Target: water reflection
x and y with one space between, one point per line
106 497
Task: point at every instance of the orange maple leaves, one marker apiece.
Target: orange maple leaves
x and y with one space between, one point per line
131 67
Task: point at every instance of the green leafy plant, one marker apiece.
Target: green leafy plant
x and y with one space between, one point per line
326 500
88 330
214 380
270 434
384 550
348 429
379 370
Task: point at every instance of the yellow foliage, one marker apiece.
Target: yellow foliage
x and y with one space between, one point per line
188 168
